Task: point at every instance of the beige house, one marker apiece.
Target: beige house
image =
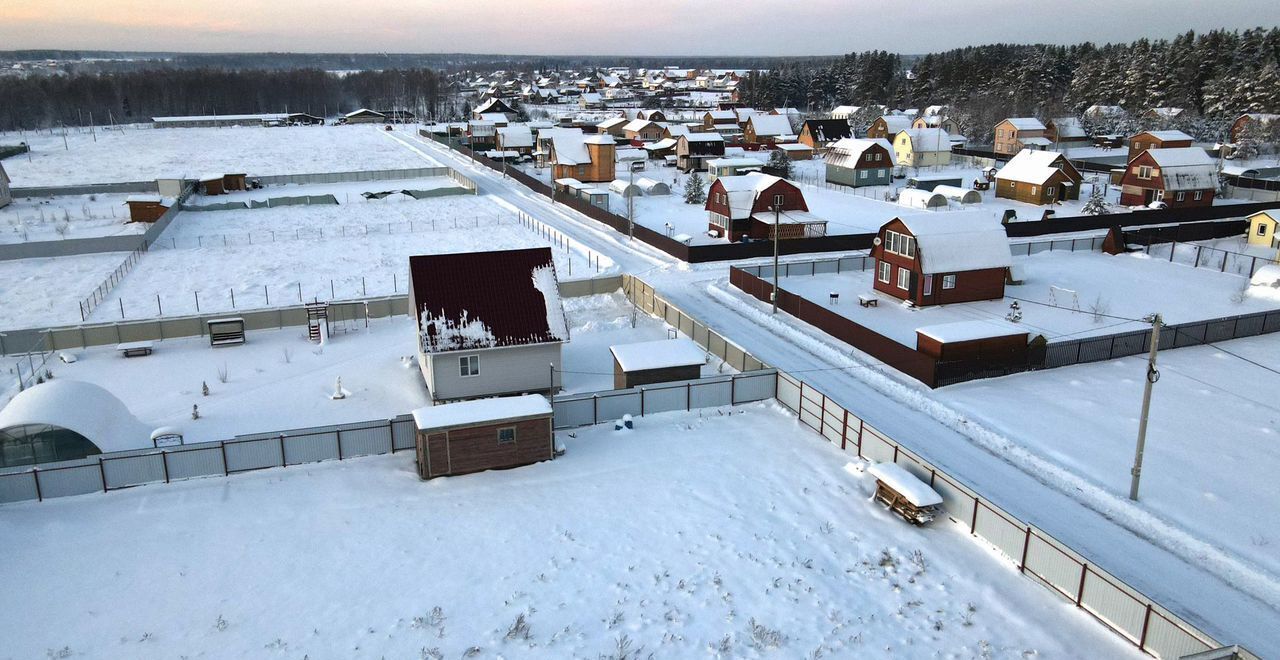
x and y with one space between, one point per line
1018 133
1262 229
922 147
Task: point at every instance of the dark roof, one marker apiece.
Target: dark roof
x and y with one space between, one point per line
485 300
493 105
828 130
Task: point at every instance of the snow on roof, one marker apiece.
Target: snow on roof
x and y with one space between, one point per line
1166 111
1038 141
1185 168
598 139
905 484
676 130
646 184
84 408
962 195
516 136
959 241
919 198
971 330
1026 123
788 217
723 114
636 125
1166 136
664 143
896 123
571 148
362 111
845 109
143 199
271 116
703 137
1030 166
495 117
660 354
1068 127
631 154
770 125
611 122
795 146
846 152
480 411
734 162
928 139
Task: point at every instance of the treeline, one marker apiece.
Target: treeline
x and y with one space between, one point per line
1216 76
45 101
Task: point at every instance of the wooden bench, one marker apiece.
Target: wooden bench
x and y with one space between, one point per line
226 332
135 348
868 300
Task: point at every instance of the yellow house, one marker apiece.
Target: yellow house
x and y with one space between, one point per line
922 147
1262 229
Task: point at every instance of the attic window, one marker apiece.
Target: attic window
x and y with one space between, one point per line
1144 172
506 435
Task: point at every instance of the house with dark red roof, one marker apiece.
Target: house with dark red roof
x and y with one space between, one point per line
489 323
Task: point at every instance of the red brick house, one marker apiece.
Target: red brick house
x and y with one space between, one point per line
485 434
943 258
1185 176
742 207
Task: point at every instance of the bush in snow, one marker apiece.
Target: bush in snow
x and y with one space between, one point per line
519 629
694 191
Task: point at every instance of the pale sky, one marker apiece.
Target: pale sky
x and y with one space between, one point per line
601 27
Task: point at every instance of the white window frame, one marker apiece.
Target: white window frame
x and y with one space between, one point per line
512 441
1262 229
1144 171
1048 190
926 285
1199 195
904 279
1159 196
1180 197
948 281
468 366
863 175
884 269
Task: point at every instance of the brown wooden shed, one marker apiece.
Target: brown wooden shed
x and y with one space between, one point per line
483 434
661 361
998 342
147 208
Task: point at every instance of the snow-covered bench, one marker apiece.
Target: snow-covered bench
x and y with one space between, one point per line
868 300
135 348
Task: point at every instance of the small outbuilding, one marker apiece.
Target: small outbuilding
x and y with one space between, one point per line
1262 229
147 208
213 184
484 434
958 194
6 195
66 419
904 494
661 361
917 198
652 186
987 340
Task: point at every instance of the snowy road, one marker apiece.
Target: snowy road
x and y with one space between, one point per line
1215 591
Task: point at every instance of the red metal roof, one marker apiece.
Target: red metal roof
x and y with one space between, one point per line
496 289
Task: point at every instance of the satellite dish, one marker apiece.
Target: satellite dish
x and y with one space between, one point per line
875 241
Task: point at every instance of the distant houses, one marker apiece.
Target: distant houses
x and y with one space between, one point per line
494 105
215 121
1257 120
755 206
942 259
642 130
364 116
860 162
767 129
489 323
1066 132
1178 177
1038 177
514 138
1018 133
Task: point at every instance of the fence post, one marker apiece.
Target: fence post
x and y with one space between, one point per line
1084 572
860 425
1146 623
642 402
223 446
1026 545
844 430
393 442
164 462
688 396
35 472
973 524
102 472
595 409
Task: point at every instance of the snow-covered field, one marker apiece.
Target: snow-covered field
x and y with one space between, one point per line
674 539
279 380
142 153
30 219
46 291
1130 286
1211 452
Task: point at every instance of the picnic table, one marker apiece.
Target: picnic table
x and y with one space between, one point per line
135 348
868 300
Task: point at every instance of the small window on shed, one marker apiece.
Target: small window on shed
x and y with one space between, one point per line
1262 229
506 435
469 365
948 281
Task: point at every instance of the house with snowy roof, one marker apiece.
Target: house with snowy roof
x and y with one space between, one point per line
612 126
822 133
642 130
1038 177
1182 176
1066 132
757 206
1162 113
693 150
1261 120
1262 229
845 112
943 258
860 162
768 129
1105 112
1017 133
922 147
888 126
518 138
587 158
1170 139
488 323
364 116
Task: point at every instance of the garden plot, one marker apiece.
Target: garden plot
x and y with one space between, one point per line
343 193
1064 295
142 153
678 542
44 292
255 258
1211 454
31 219
279 380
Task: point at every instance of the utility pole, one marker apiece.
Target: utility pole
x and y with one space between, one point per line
631 202
1153 375
777 216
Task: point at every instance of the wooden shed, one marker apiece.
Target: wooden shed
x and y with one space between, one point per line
990 340
484 434
661 361
213 184
147 208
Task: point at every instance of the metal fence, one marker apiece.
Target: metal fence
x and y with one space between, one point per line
1180 335
1203 256
427 224
572 410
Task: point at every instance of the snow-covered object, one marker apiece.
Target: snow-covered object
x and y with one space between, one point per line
544 280
442 333
515 136
905 484
970 330
775 126
1030 166
928 140
896 123
84 408
1185 168
918 198
1266 282
958 194
660 354
846 152
480 411
1026 123
959 241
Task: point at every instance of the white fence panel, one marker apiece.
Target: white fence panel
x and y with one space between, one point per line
365 441
133 470
710 395
659 399
614 406
1117 607
754 387
1005 535
253 454
310 448
17 487
1166 640
1055 568
71 481
875 447
404 434
570 413
193 463
788 392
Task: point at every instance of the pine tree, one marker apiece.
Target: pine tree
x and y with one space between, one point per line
694 191
780 163
1097 204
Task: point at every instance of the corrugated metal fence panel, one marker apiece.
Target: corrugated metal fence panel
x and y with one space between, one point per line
1115 606
754 387
133 470
71 481
810 407
663 399
310 448
614 406
570 413
788 391
915 466
193 463
366 441
958 501
1054 567
833 422
1007 536
875 447
852 428
17 487
713 394
821 267
404 434
1168 640
253 454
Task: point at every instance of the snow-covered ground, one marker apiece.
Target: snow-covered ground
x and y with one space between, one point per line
30 219
279 380
1211 452
1064 295
46 292
345 192
670 540
142 153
